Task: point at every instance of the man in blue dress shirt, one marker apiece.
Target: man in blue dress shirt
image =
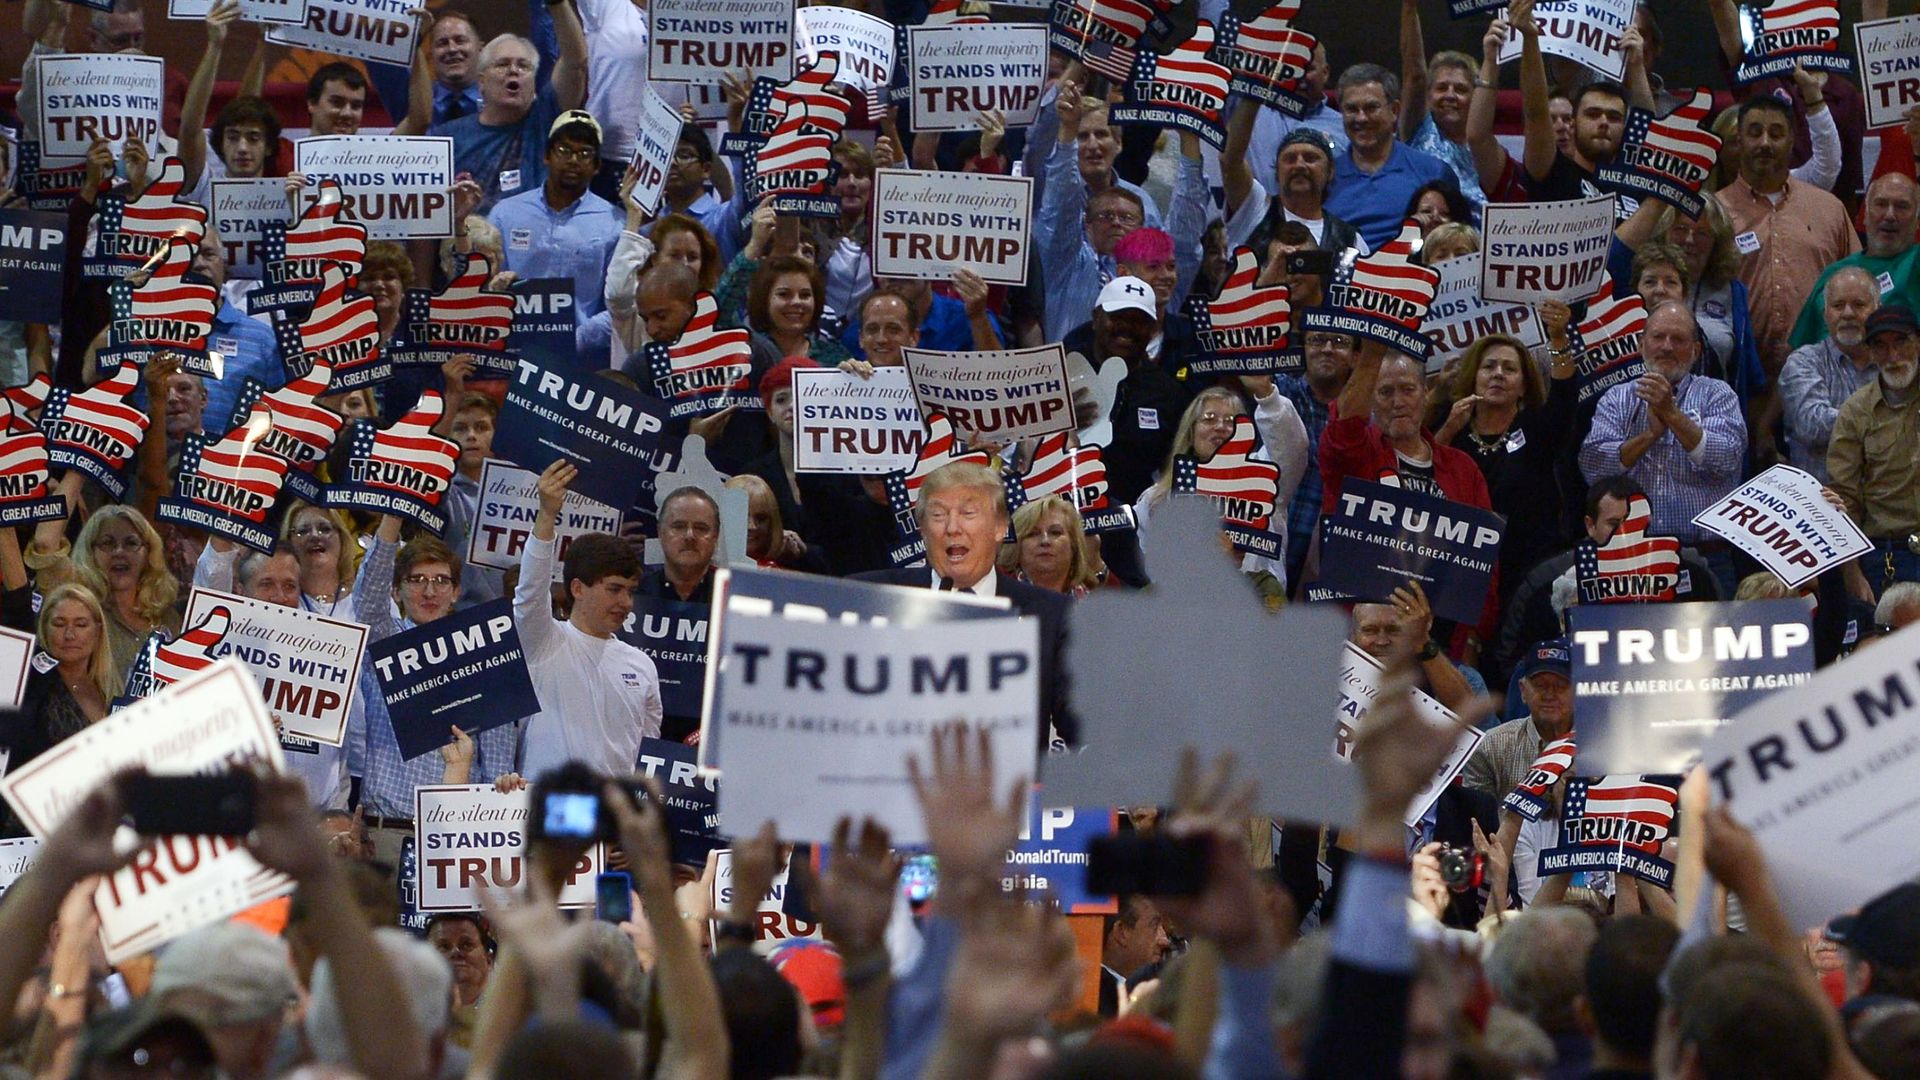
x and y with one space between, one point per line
560 229
1375 179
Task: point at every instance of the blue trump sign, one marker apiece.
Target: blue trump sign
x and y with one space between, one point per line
1050 861
1380 538
1653 681
609 432
465 670
690 802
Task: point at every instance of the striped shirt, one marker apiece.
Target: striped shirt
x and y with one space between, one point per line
1678 482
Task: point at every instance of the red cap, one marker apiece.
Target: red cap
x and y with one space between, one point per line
814 969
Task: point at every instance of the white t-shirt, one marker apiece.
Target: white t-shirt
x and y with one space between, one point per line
598 696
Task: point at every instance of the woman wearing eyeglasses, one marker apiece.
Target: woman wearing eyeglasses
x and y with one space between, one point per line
321 541
1205 427
120 558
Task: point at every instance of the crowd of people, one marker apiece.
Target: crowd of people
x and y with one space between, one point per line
1780 327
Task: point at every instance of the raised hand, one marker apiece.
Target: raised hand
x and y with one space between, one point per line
1214 805
1012 969
553 484
284 836
855 898
968 828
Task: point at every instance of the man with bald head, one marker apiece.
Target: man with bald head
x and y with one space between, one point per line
1891 259
1819 377
663 302
1681 435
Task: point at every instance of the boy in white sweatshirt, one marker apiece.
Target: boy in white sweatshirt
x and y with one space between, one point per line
598 695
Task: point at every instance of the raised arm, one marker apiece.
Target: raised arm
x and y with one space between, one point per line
1413 70
1356 398
419 81
1489 157
1726 26
193 108
1639 85
1536 120
570 70
1235 174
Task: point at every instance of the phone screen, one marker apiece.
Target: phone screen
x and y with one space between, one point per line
920 879
571 815
613 897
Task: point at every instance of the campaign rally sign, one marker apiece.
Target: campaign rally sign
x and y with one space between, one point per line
1824 774
1631 567
1104 34
1383 537
886 690
774 924
1546 251
295 257
1460 316
1381 297
820 108
1585 31
1185 89
240 211
1783 521
1533 796
1004 394
17 650
227 484
462 319
1782 34
1667 157
843 423
174 884
1360 676
256 11
164 312
24 496
655 135
1607 343
470 838
1267 56
688 801
1652 682
1467 9
958 71
1243 489
340 328
32 250
1889 52
302 430
793 168
87 96
803 598
462 670
16 858
610 433
396 185
305 664
864 44
674 634
706 369
45 187
1049 864
95 430
694 41
545 317
381 31
504 519
1616 823
926 225
1244 330
1074 473
402 469
129 233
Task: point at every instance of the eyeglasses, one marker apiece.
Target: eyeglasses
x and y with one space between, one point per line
1114 217
1328 341
512 63
129 543
1226 419
574 153
317 528
425 582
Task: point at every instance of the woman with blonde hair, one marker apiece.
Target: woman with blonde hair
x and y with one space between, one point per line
1206 426
78 689
120 558
322 542
1714 290
1050 548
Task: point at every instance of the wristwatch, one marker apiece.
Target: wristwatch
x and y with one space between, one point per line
1429 651
728 930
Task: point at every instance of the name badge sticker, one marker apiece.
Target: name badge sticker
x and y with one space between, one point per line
1886 282
1149 419
1747 243
510 180
521 240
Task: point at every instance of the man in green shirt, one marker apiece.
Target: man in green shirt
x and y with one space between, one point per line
1890 256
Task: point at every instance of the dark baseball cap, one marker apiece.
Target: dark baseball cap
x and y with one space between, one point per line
1892 318
152 1032
1552 655
1311 137
1886 931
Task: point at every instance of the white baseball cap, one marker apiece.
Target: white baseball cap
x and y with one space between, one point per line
1126 292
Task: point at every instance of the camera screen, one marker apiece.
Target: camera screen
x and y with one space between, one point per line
571 814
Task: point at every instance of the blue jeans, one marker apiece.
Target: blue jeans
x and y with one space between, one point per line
1888 562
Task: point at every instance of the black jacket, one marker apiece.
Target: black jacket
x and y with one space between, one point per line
1047 606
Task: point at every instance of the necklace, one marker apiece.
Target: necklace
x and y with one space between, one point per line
1486 444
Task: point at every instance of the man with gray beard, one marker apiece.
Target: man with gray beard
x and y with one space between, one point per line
1819 377
1871 461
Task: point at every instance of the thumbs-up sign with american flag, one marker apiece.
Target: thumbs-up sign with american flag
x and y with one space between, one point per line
1383 296
1244 329
342 327
228 484
1244 488
95 430
705 369
23 469
164 311
404 469
303 431
131 231
459 319
1185 87
1267 56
